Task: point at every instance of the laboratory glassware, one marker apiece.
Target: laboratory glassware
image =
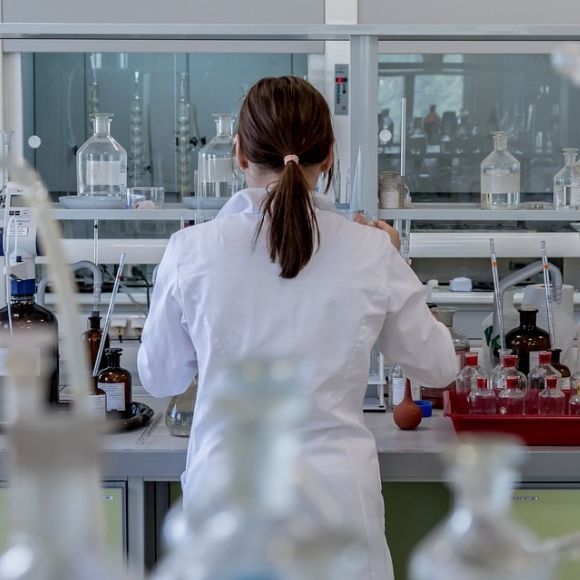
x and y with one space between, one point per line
527 340
498 300
564 371
115 382
396 386
460 341
537 381
511 400
574 405
179 413
480 540
567 182
551 400
265 519
466 381
216 170
137 133
92 338
507 370
184 138
26 315
500 176
5 154
482 401
101 162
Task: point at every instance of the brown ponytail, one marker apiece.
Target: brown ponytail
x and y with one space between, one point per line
279 117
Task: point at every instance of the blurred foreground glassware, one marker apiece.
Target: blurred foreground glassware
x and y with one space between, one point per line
179 413
216 171
101 162
500 176
567 182
480 540
267 521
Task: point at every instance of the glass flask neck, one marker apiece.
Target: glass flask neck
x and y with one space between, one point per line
22 299
184 87
102 124
570 155
95 321
500 141
528 318
224 124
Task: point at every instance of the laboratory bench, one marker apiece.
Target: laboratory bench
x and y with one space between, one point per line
410 462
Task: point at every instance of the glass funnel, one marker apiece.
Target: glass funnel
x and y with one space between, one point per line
216 170
264 514
101 162
500 176
480 540
567 182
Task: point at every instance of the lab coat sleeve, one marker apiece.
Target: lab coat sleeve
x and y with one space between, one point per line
167 360
410 335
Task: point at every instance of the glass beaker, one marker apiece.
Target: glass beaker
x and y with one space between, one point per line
101 162
500 176
216 171
179 413
567 182
480 540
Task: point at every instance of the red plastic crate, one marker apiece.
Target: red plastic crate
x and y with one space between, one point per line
532 429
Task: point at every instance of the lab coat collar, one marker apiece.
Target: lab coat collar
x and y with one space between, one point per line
249 201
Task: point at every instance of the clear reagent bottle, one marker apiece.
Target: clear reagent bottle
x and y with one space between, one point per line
511 399
483 400
551 401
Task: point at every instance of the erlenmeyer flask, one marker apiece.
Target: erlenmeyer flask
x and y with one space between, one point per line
480 540
179 413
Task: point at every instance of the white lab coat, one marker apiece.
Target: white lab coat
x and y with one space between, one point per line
217 300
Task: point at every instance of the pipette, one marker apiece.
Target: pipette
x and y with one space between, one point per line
109 313
548 292
496 292
355 190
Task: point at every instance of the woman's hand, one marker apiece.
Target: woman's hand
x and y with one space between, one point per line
392 232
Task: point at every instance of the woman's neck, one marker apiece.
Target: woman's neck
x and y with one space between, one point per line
258 178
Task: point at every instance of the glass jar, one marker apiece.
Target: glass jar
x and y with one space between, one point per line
466 381
179 413
574 405
216 171
101 162
499 379
551 401
480 538
483 400
527 338
500 176
537 381
567 182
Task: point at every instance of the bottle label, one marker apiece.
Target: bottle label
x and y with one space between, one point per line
398 390
534 359
574 195
98 405
115 395
564 383
105 174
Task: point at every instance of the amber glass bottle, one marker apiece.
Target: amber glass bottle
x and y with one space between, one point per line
562 369
527 339
27 316
92 338
115 382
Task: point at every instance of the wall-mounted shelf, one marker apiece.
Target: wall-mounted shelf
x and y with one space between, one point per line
472 212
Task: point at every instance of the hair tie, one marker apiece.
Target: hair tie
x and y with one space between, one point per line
291 158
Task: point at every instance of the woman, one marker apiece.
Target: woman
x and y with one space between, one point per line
279 273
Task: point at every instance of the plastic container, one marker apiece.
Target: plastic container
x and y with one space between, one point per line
426 408
532 429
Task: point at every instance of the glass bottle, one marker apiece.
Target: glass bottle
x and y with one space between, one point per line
567 182
508 369
396 387
92 337
27 316
537 381
500 176
480 539
565 381
216 174
115 382
574 405
511 400
460 341
551 400
179 413
101 162
466 381
262 511
527 339
483 400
